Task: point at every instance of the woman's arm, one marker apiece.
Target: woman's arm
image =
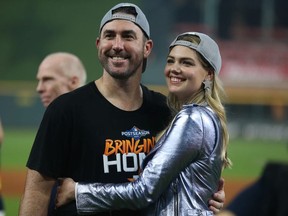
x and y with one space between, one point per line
66 194
177 148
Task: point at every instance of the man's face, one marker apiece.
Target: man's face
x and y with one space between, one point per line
122 48
51 82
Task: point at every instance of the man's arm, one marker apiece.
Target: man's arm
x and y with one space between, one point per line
217 202
36 195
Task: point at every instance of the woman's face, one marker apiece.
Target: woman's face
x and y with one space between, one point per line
184 72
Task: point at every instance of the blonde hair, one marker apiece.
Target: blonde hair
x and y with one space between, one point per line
213 97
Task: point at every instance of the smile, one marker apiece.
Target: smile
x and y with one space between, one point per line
176 80
118 58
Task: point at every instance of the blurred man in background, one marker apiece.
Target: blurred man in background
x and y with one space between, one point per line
59 73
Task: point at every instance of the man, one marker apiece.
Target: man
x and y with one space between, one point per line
59 73
2 210
102 131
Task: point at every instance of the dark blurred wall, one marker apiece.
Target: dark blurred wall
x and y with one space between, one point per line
31 29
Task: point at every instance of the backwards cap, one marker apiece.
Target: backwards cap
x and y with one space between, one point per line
139 19
207 48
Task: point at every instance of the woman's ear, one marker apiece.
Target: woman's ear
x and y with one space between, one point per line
210 75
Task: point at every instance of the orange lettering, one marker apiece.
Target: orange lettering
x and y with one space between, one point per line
118 146
138 147
127 146
109 149
150 144
130 145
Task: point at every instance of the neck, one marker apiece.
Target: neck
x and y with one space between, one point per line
125 95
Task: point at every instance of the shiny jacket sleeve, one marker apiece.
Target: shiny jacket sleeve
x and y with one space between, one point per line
180 145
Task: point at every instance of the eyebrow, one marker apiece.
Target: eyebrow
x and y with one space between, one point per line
122 32
181 57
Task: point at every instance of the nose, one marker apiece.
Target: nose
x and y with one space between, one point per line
39 87
175 68
118 43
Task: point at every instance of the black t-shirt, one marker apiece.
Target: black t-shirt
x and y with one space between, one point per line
85 137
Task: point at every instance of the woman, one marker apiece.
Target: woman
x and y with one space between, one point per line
182 172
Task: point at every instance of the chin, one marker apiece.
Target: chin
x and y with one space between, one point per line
173 89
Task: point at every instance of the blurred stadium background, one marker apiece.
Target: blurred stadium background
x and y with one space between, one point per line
253 38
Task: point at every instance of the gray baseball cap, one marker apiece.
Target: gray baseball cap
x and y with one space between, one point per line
139 19
207 47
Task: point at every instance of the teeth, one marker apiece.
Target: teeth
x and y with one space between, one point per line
117 58
174 79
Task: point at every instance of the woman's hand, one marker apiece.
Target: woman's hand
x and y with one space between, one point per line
65 191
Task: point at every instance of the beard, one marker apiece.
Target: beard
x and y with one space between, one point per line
122 73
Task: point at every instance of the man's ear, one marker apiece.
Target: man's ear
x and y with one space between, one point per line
148 48
74 82
97 42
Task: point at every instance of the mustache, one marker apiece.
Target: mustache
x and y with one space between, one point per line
121 54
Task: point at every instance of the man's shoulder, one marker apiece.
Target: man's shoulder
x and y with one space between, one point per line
79 92
71 98
153 95
156 103
83 89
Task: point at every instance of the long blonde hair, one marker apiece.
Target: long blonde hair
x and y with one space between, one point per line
213 97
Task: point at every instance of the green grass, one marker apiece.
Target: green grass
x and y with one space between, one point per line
16 147
11 205
14 152
248 157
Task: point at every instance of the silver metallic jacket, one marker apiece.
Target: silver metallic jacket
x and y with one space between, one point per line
179 175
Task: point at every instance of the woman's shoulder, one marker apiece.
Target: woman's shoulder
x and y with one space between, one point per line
197 112
196 108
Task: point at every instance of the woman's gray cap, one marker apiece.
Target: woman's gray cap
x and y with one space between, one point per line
140 18
207 47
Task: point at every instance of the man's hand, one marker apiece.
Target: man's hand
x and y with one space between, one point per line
217 203
65 191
